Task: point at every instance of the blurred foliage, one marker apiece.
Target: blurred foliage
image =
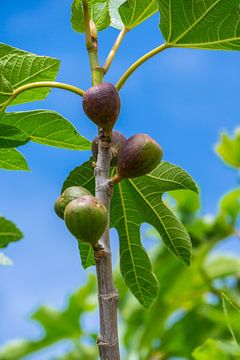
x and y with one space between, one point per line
195 316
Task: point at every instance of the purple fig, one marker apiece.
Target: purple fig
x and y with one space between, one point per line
101 103
140 155
118 140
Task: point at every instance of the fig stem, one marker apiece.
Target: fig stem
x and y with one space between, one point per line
40 84
139 62
92 45
107 342
114 49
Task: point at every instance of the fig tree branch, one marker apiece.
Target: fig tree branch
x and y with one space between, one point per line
139 62
107 294
40 84
114 49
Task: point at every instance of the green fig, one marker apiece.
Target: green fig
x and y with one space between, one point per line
71 193
86 218
140 155
118 140
101 103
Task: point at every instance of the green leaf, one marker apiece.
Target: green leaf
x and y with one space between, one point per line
46 127
232 314
4 260
214 349
18 67
203 24
137 201
229 149
10 136
86 254
134 12
56 324
230 207
8 232
98 13
221 266
11 159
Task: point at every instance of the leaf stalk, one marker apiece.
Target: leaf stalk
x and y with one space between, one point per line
139 62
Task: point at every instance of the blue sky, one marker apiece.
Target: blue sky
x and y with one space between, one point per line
183 98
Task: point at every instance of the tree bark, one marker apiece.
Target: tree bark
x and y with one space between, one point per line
108 296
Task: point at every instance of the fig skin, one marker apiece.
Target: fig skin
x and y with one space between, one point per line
101 103
140 155
86 218
71 193
117 142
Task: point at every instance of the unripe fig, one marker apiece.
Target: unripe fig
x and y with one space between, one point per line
86 218
140 155
118 140
71 193
101 103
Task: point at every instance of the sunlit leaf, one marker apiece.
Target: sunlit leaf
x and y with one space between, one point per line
18 67
134 12
11 159
46 127
204 24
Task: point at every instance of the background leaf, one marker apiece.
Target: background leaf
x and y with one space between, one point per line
98 11
11 159
229 149
208 24
46 127
10 136
4 260
214 349
18 67
232 313
8 232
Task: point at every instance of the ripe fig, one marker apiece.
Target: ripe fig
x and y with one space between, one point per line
86 218
118 140
71 193
101 103
140 155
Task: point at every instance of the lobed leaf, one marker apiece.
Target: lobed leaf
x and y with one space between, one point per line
11 159
204 24
46 127
18 67
137 201
8 232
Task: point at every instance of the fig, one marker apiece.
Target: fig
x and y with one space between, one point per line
140 155
101 103
118 140
71 193
86 218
